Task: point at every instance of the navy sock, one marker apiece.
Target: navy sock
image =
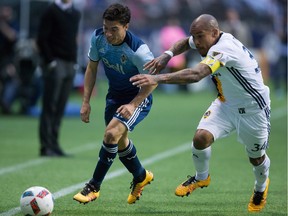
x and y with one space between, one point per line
107 155
130 160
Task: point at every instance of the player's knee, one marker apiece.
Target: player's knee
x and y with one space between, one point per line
111 136
257 161
202 139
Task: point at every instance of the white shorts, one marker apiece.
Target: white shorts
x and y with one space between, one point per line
252 129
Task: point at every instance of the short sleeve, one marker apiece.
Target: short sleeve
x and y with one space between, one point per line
93 51
142 56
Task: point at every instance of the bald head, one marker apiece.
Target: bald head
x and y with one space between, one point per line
205 22
205 32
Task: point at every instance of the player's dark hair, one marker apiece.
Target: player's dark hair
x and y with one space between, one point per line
117 12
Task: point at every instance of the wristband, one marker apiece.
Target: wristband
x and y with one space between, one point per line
170 53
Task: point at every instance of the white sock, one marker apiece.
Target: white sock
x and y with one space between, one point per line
201 162
261 173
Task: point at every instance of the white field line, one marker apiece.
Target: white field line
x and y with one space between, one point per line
114 174
278 113
34 162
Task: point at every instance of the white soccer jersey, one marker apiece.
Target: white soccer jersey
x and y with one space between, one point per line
238 80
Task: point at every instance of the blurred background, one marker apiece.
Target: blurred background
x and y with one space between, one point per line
261 25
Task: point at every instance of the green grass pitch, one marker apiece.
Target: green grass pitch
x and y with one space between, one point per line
163 142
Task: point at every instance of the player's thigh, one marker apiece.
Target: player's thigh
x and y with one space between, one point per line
254 132
217 121
138 115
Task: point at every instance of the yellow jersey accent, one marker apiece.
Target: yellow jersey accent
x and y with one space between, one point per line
219 89
213 63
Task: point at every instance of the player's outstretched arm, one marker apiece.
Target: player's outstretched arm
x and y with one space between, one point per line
159 63
188 75
141 80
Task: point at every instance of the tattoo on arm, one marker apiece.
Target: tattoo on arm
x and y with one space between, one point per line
180 46
187 75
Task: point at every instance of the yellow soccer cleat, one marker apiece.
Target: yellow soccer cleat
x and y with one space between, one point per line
258 199
137 188
190 185
88 194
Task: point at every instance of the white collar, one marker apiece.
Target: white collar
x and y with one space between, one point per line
63 6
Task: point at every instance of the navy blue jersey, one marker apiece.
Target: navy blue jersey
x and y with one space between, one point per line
120 62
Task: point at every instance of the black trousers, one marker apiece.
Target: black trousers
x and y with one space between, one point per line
58 83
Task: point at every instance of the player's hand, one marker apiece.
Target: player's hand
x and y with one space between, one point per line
156 65
126 110
85 112
143 80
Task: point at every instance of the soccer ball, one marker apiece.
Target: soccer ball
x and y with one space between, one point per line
36 201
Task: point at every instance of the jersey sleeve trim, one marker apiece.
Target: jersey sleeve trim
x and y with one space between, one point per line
93 60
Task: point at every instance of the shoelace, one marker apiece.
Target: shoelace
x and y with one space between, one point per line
257 198
191 179
87 189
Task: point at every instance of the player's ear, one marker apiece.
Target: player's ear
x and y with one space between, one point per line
126 26
214 33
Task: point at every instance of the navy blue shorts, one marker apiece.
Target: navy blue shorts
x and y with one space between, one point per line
139 114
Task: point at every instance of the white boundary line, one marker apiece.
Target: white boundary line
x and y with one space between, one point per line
38 161
114 174
277 113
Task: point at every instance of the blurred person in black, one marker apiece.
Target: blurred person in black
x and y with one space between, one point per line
9 81
57 42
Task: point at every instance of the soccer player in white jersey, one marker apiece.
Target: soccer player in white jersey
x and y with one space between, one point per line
123 55
242 105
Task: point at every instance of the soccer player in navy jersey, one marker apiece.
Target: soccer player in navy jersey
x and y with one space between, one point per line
123 55
242 105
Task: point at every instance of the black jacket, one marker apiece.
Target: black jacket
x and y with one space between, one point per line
57 34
